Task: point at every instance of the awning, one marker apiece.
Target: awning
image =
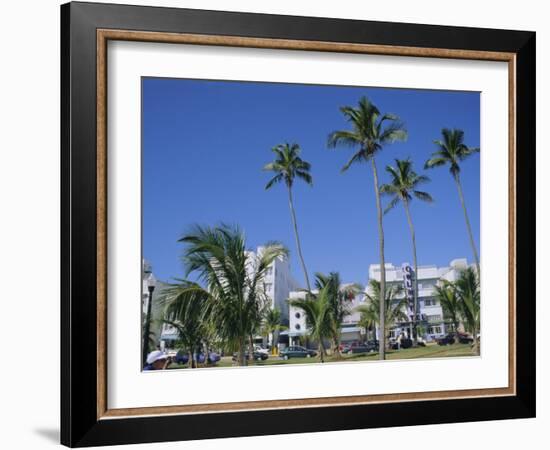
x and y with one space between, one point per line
351 330
292 333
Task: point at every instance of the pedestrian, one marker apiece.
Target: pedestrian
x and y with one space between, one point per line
157 360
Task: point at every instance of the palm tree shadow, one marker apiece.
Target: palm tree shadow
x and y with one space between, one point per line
50 434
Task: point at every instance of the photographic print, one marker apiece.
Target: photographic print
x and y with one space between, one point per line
307 224
328 224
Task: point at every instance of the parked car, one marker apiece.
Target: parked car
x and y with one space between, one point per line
258 356
297 352
345 348
181 357
373 346
403 343
354 347
212 358
464 338
260 349
365 347
448 339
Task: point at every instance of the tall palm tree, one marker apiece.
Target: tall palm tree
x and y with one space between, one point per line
451 151
402 188
272 325
370 132
288 166
447 296
318 317
233 279
339 297
186 309
467 289
394 308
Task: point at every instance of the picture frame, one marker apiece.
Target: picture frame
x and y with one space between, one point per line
86 28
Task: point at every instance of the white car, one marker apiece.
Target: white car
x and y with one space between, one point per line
260 349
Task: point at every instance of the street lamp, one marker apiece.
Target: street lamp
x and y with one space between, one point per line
151 284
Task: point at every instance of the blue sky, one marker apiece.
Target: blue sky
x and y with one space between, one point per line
205 142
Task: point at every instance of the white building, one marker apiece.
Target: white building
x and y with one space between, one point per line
298 324
429 308
278 282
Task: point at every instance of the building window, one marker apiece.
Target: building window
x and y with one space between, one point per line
430 302
434 330
297 315
434 318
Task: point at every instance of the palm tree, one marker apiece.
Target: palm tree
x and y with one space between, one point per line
272 325
467 290
186 309
447 296
288 166
402 187
339 296
452 151
394 308
233 278
318 317
370 132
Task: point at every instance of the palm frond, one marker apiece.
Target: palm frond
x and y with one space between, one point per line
276 179
424 196
392 204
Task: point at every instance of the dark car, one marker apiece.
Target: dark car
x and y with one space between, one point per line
373 346
448 339
258 356
364 347
297 352
355 347
181 357
464 338
212 358
405 343
345 348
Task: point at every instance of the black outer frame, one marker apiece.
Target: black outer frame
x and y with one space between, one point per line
79 425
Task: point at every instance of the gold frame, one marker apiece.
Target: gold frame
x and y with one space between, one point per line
103 36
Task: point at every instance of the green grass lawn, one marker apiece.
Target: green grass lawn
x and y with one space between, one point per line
430 351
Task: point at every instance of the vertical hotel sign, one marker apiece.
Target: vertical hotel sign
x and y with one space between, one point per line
408 275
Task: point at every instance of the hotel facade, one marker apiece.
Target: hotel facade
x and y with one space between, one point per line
430 313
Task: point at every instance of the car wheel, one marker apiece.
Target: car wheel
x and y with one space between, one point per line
285 357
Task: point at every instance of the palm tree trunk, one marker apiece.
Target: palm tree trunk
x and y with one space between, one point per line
476 347
298 246
382 325
337 354
415 298
463 203
250 348
241 352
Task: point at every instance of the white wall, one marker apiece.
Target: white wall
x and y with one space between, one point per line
29 142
